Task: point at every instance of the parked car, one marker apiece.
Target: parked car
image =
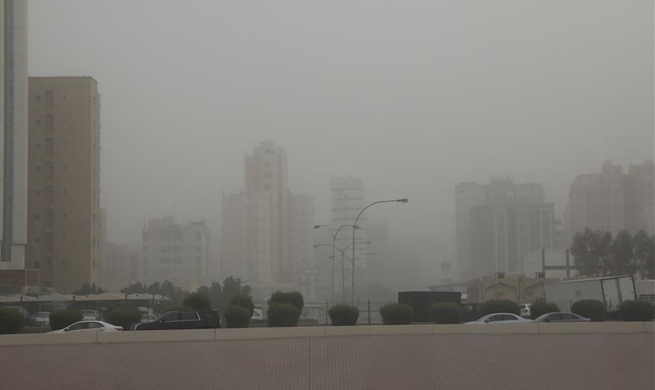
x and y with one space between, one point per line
561 317
90 315
89 326
183 319
525 310
41 318
500 318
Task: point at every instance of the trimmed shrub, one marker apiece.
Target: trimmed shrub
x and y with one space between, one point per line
499 306
282 314
447 313
237 316
396 314
293 298
124 316
540 308
62 318
590 308
636 311
243 300
11 321
197 301
343 315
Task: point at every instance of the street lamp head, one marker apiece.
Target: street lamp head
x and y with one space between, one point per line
403 200
317 226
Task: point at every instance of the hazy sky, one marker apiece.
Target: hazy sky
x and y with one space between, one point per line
412 96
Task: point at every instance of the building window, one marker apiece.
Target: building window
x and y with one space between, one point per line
37 217
37 193
37 146
37 122
37 98
37 240
37 169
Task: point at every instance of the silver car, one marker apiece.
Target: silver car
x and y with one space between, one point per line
41 318
561 317
500 318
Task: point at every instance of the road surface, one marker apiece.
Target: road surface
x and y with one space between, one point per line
489 362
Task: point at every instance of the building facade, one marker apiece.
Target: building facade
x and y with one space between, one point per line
65 229
612 200
175 252
266 172
121 266
13 133
498 224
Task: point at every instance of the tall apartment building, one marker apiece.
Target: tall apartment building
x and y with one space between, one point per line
348 199
302 231
121 266
498 224
175 252
13 133
612 200
65 223
246 238
266 172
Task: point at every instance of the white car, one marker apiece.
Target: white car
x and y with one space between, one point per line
41 318
89 326
500 318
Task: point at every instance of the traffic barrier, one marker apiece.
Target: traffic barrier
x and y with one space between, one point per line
325 331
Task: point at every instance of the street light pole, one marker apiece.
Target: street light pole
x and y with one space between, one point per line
403 200
334 246
343 264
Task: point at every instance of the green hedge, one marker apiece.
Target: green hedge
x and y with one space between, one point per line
237 316
499 306
447 313
540 308
589 308
282 314
197 301
11 321
293 298
396 314
243 300
636 311
343 315
124 316
62 318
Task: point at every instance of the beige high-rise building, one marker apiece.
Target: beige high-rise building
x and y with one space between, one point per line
266 171
175 252
612 200
64 232
13 135
498 224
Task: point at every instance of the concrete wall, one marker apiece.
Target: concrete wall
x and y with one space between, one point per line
325 331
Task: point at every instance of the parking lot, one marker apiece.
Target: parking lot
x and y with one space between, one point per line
561 361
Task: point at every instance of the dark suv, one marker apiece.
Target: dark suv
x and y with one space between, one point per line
185 319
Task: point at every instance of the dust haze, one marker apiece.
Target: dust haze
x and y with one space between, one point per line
413 97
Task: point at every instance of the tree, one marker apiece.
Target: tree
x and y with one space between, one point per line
582 252
644 253
87 289
11 321
134 288
198 301
621 260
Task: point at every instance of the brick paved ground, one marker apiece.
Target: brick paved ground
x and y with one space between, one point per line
368 362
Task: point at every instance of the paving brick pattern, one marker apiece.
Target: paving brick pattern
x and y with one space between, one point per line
452 362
